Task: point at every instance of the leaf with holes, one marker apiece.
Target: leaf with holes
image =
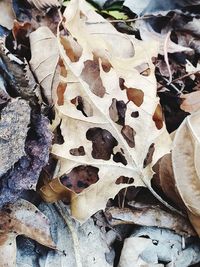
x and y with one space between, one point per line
110 116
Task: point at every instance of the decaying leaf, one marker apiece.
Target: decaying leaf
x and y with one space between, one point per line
114 140
150 216
21 218
40 4
14 125
44 61
191 102
150 246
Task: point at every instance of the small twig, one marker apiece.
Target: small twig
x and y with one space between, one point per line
119 20
166 55
66 217
179 78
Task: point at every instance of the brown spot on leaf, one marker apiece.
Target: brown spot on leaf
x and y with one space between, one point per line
82 105
117 111
119 157
106 66
158 117
135 95
102 143
63 70
91 75
124 180
80 151
149 155
73 55
128 133
80 178
60 93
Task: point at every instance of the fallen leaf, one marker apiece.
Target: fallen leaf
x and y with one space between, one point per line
185 162
191 102
21 218
115 142
43 62
8 16
151 246
150 215
40 4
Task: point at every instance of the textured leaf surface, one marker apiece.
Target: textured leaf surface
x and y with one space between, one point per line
21 218
103 91
185 161
44 61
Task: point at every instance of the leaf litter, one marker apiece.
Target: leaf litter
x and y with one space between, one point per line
87 107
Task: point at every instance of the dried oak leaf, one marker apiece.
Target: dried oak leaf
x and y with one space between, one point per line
186 165
14 125
21 218
131 138
25 173
44 61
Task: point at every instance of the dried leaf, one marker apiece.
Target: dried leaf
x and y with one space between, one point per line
151 246
8 15
185 162
43 62
150 216
40 4
14 121
21 218
115 142
191 102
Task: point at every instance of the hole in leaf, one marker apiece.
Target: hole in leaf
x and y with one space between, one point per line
124 180
135 114
118 157
60 93
82 105
80 178
58 137
117 111
149 155
121 83
72 49
128 133
102 143
80 151
91 75
143 69
135 95
158 117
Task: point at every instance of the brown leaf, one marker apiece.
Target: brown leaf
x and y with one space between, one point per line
150 216
21 218
191 102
